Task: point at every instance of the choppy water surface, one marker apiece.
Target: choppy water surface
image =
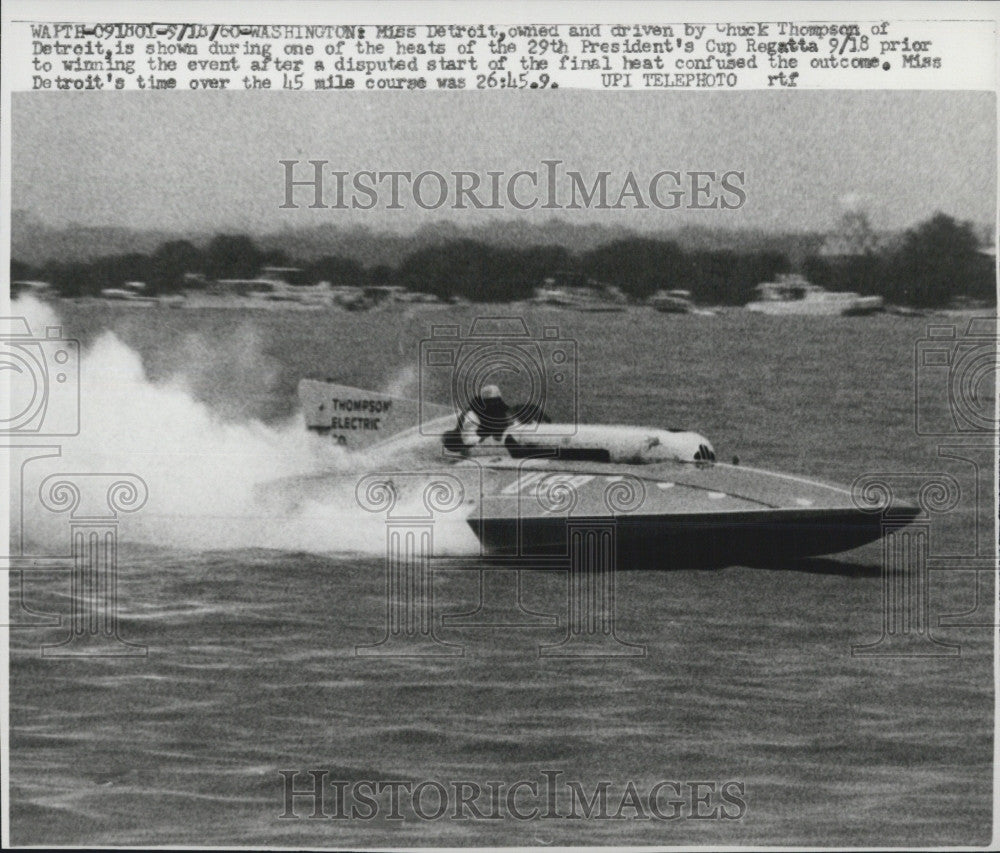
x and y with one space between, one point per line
748 674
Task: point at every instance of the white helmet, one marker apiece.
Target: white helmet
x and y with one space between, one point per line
490 392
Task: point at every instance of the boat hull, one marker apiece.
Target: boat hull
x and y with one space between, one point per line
659 516
758 538
672 515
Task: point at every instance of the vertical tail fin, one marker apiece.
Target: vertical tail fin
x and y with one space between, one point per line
356 418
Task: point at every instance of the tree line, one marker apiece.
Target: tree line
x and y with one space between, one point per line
935 262
931 265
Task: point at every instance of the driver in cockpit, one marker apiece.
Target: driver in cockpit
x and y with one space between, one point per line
485 420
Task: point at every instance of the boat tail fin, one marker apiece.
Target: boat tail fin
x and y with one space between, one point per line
357 418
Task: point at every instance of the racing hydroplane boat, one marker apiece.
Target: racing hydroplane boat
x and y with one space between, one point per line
672 504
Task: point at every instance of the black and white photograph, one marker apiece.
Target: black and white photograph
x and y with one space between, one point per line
499 434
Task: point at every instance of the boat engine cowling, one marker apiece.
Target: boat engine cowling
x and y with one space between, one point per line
628 445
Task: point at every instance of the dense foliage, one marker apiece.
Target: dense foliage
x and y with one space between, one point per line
930 265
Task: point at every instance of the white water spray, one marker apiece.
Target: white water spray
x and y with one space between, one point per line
205 472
